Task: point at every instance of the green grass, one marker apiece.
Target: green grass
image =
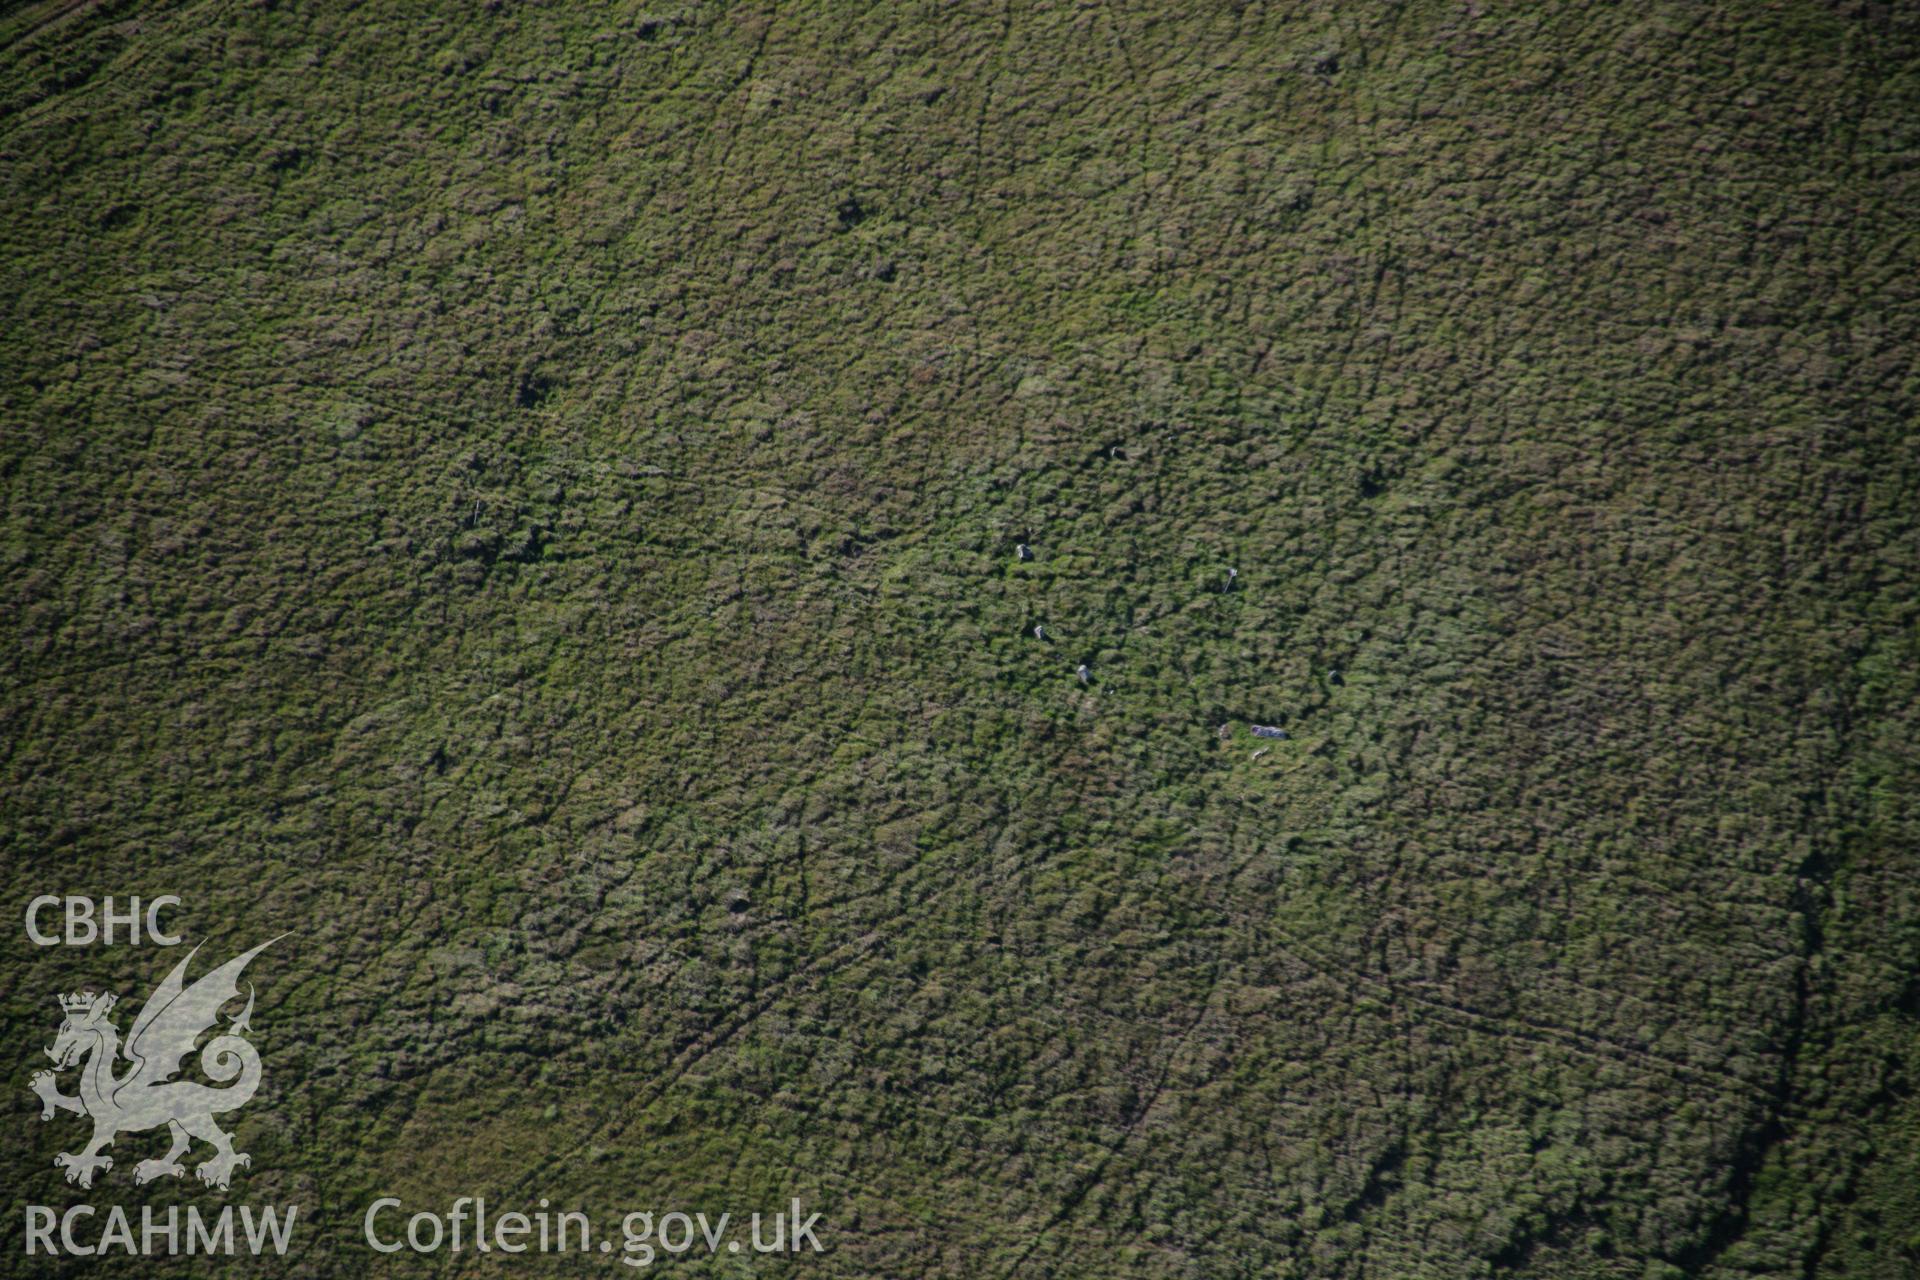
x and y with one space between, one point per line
487 491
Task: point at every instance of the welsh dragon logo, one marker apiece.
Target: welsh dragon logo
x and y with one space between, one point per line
145 1095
